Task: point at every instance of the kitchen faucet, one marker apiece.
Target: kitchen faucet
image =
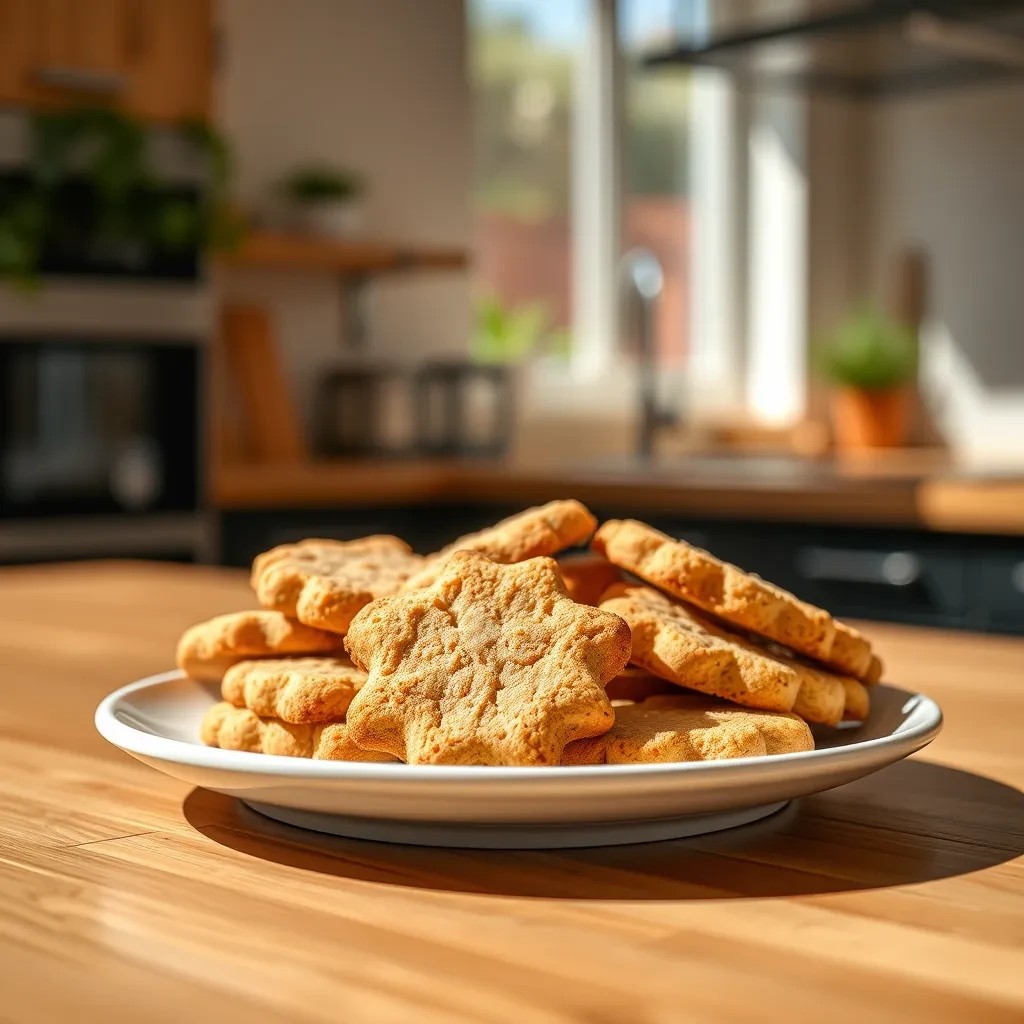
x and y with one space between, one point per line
643 273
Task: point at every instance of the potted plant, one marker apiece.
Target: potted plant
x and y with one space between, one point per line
324 201
506 339
871 361
509 335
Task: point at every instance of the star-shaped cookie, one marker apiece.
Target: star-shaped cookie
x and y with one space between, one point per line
678 643
490 665
323 583
233 728
302 691
208 649
673 641
544 530
740 598
691 727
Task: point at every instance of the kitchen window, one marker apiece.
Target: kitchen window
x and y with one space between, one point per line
583 154
524 58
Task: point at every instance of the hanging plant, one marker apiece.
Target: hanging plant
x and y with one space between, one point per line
88 182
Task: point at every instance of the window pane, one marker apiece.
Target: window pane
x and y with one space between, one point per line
656 211
522 63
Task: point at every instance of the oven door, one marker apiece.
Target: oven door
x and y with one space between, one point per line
94 427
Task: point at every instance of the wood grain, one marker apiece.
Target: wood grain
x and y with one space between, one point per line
896 898
283 251
995 506
157 56
854 493
270 419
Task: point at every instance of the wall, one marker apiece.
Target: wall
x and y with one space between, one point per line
947 173
377 87
838 197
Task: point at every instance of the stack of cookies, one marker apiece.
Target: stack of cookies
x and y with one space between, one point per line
285 678
490 652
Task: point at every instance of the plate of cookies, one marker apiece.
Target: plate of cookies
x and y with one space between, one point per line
509 691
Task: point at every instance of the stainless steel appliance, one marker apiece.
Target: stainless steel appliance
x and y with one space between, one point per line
99 446
463 408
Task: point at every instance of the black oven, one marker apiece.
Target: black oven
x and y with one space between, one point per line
99 445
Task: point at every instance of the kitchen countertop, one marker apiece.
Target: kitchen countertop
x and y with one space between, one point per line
127 896
901 493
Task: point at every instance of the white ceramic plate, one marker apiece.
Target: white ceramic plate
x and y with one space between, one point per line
157 721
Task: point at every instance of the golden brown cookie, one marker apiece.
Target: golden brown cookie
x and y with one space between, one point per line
334 742
587 576
297 690
323 583
490 665
544 530
207 650
857 703
822 695
241 729
679 644
851 651
691 728
637 684
781 734
875 670
739 598
586 751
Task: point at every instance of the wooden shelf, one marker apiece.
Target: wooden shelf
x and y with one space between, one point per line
282 251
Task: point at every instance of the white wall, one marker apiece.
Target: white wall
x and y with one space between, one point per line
947 173
379 87
838 198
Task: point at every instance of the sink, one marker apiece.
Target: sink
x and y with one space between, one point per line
768 468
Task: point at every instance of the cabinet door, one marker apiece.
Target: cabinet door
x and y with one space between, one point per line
996 590
172 59
153 58
16 63
72 52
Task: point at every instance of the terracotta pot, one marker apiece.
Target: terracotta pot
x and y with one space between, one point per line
870 419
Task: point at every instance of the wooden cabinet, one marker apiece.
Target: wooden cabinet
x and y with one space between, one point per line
173 74
151 58
17 31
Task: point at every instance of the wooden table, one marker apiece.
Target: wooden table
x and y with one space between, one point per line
124 896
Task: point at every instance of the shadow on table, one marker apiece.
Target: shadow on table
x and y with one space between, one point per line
913 822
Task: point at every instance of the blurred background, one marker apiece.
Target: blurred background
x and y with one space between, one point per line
748 270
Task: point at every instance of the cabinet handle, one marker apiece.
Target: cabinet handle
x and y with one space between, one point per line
81 80
834 565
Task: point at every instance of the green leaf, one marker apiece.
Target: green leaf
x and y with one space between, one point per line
870 351
213 147
504 335
318 184
108 149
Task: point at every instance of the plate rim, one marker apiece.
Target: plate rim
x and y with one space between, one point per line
138 742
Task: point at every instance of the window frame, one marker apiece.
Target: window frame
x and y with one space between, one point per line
748 308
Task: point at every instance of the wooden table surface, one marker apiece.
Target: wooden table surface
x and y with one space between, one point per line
126 896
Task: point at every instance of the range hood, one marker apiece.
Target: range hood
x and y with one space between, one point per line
867 50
